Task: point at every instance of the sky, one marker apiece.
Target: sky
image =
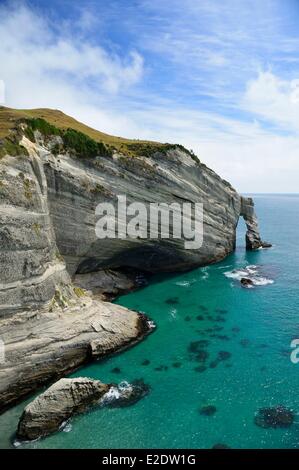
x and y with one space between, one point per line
219 77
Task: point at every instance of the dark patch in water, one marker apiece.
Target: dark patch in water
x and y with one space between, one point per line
221 446
161 368
263 369
276 417
228 366
203 308
224 355
263 345
146 362
222 337
244 342
285 352
116 370
195 346
220 319
202 355
176 365
172 301
208 410
187 318
236 329
200 368
214 364
221 310
200 318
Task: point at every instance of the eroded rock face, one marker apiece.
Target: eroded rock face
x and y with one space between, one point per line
47 235
253 239
51 409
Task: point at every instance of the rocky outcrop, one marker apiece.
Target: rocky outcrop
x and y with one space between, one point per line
41 345
51 409
48 196
253 239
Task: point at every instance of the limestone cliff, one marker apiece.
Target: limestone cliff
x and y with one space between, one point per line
51 180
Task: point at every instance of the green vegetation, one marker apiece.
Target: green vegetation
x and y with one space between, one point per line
29 133
44 127
37 228
84 140
80 143
9 147
79 292
83 145
27 189
99 189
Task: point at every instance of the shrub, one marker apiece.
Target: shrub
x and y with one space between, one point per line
44 127
83 145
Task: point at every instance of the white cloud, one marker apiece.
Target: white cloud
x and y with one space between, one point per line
32 52
46 67
275 100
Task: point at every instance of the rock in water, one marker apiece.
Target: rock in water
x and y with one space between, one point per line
126 394
246 282
253 239
52 408
277 417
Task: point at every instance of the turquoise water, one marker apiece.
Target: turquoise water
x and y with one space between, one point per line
255 326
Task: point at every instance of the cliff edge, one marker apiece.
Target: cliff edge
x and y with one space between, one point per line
53 173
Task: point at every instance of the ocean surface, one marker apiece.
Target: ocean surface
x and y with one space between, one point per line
208 305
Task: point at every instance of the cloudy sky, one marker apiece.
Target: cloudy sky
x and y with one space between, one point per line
221 78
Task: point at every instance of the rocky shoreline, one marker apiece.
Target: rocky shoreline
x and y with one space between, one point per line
42 347
54 271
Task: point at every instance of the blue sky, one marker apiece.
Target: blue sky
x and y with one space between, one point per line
219 77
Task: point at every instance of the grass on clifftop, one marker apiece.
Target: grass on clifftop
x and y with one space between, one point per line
54 122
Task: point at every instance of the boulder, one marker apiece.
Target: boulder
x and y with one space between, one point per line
246 282
57 404
276 417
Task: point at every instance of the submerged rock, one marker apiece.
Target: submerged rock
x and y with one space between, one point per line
221 446
276 417
126 394
146 362
208 410
172 301
224 355
46 413
246 282
177 365
200 369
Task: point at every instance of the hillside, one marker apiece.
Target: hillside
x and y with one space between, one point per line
10 117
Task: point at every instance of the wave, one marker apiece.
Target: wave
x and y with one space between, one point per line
250 272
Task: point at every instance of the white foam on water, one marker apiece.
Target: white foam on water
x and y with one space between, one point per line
183 283
66 427
173 312
116 392
249 272
151 324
